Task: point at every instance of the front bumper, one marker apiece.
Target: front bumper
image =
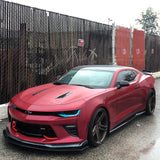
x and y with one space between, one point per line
40 146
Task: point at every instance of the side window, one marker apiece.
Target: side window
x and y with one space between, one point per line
122 76
133 75
126 75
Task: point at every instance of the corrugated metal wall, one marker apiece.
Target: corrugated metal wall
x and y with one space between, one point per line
138 49
122 46
123 56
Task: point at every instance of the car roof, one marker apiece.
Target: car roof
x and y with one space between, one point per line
102 67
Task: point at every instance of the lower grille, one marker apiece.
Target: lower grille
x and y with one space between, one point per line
72 130
33 130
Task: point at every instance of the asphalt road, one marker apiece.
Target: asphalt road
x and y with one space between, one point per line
139 140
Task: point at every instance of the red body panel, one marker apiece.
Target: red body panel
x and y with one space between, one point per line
119 103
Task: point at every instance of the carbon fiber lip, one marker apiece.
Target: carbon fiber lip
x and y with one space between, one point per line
47 147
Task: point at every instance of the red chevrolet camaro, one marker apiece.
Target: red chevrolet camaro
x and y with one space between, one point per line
80 108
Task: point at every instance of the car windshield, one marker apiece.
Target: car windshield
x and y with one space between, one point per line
87 78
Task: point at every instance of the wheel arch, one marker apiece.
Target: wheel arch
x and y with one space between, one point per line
92 113
150 107
153 89
90 138
108 117
107 114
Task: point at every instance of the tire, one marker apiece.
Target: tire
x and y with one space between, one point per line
151 102
98 127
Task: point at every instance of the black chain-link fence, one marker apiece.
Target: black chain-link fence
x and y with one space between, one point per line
37 45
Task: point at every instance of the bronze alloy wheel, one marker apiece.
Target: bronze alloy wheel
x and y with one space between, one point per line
98 127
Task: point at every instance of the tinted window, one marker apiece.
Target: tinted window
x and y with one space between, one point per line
126 75
133 75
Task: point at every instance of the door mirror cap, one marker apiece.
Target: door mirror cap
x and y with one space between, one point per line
122 84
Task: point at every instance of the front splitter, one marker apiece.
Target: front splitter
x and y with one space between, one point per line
41 146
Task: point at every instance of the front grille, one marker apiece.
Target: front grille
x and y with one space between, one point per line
33 130
58 114
36 113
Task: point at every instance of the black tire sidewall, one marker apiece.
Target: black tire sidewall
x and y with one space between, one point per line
148 110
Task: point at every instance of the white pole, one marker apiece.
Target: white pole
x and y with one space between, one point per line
113 44
131 38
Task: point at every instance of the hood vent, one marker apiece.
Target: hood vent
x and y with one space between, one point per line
64 95
39 92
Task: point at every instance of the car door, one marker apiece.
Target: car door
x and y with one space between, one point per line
128 99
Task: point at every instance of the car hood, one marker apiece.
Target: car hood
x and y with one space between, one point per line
49 95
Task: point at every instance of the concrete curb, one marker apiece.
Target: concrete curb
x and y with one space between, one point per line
3 107
156 75
3 111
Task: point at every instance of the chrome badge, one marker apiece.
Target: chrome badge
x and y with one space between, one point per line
28 112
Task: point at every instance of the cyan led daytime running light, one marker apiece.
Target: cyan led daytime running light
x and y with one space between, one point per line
69 115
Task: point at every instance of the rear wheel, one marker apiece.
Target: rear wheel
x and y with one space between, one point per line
150 106
98 127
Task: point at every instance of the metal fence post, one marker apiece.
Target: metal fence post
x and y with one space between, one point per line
131 38
113 44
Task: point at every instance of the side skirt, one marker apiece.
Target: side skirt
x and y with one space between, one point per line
127 121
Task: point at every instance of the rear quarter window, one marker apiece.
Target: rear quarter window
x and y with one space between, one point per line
126 75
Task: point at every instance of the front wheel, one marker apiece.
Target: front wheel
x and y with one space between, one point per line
98 127
151 102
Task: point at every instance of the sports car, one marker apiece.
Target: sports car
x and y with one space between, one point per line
80 108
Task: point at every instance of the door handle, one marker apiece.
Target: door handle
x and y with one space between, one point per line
137 86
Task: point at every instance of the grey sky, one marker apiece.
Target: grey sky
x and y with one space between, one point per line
122 12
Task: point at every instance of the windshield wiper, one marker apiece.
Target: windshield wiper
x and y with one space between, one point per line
83 85
58 83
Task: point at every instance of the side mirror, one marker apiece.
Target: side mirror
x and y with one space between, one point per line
122 84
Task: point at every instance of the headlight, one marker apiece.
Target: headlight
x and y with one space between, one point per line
69 113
